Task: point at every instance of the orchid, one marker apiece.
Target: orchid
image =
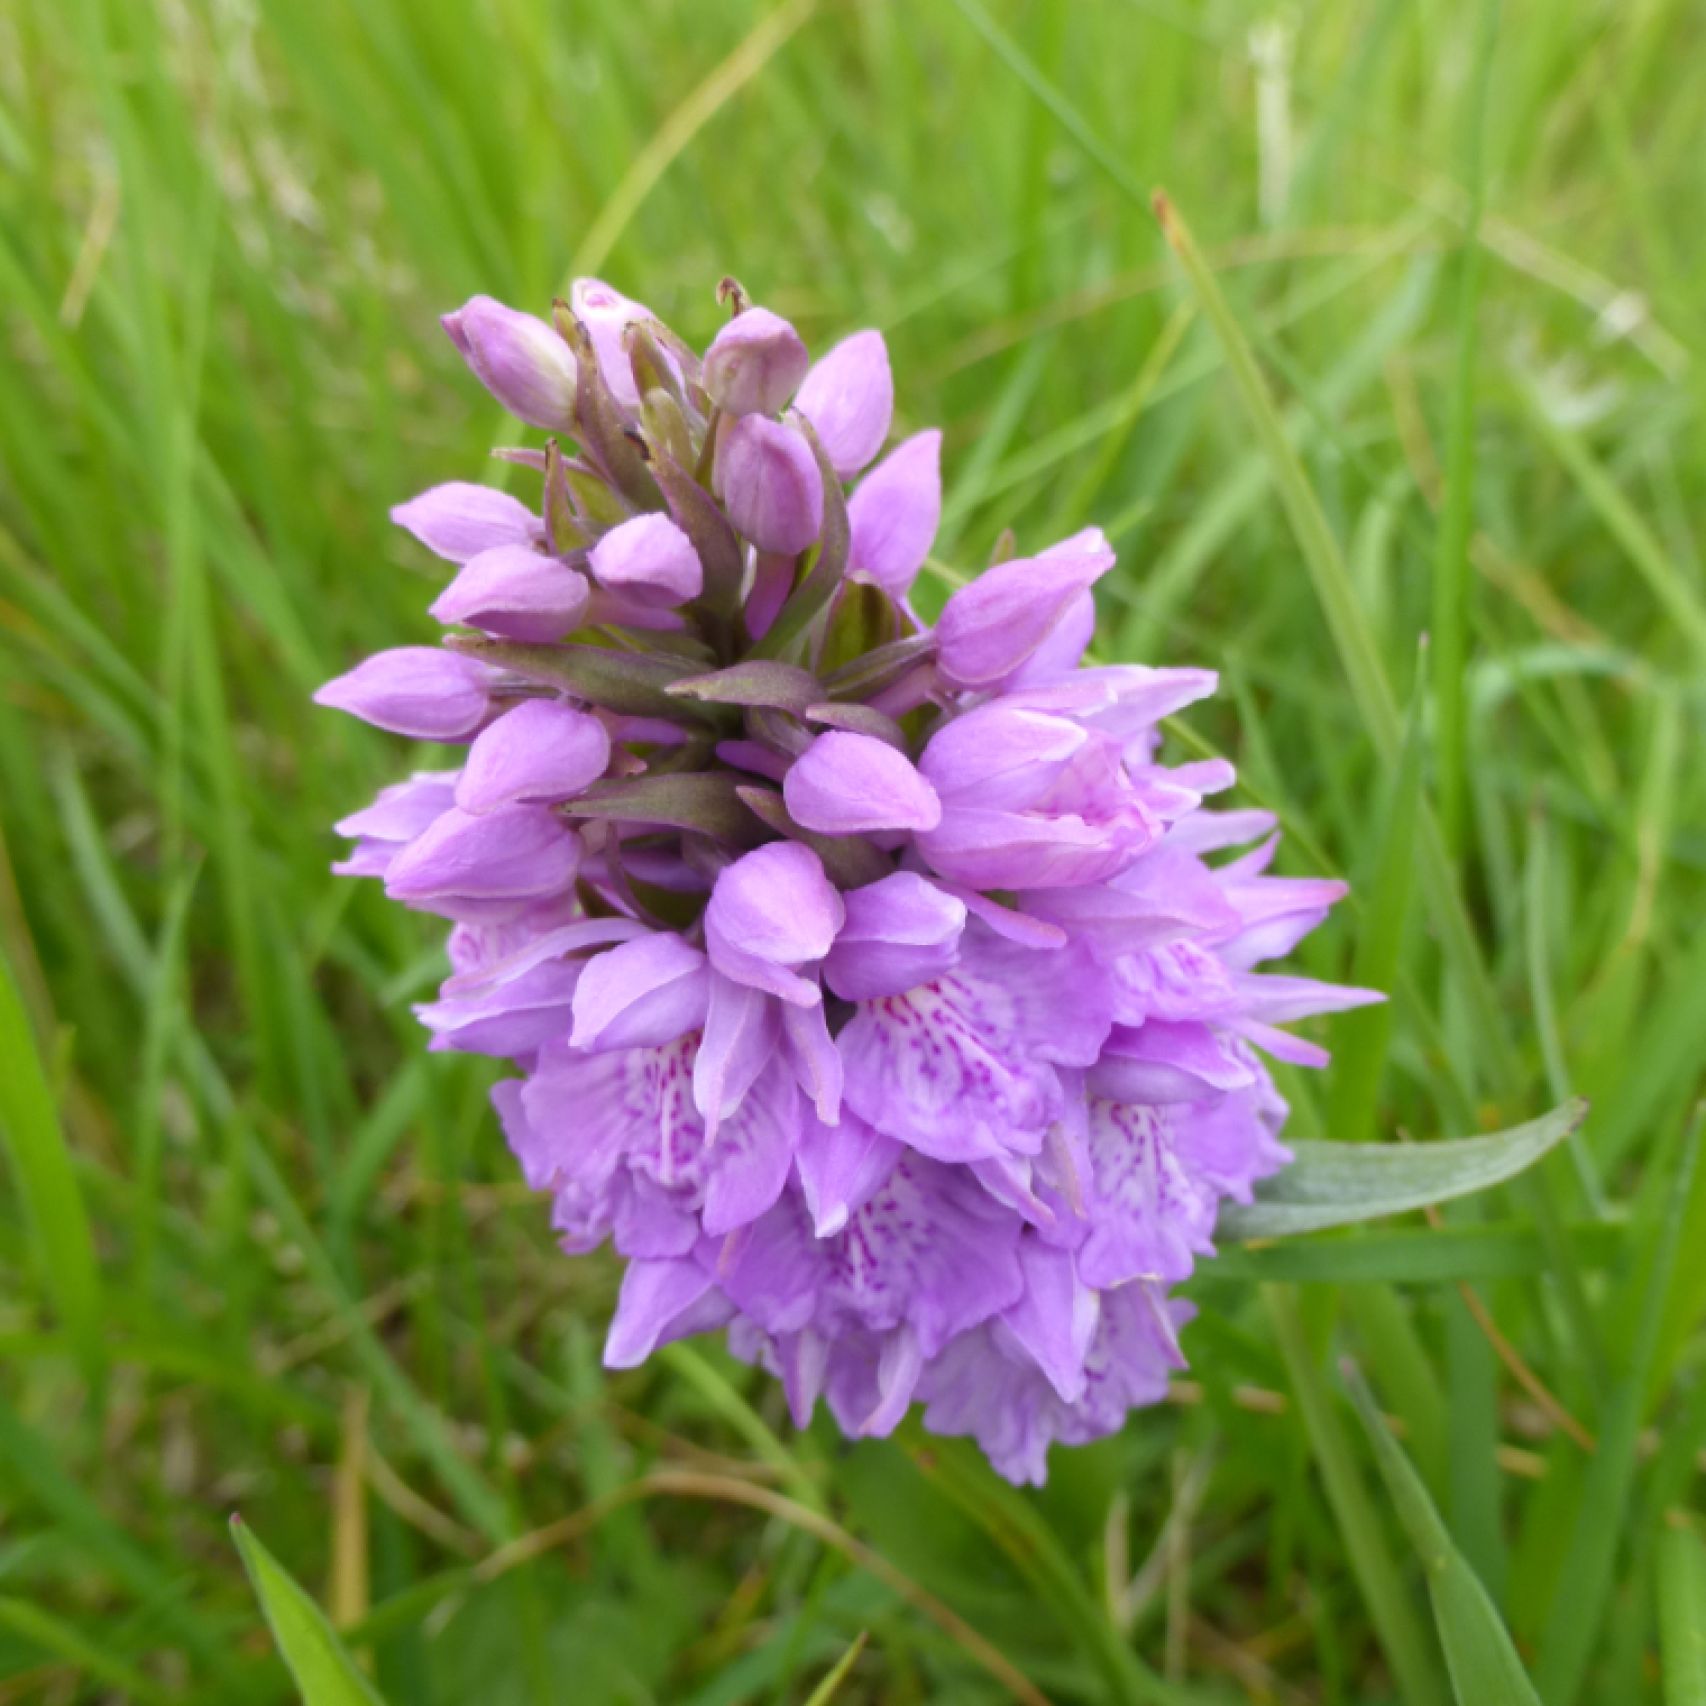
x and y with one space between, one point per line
878 990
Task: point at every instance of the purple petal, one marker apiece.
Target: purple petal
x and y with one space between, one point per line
1055 1319
755 364
508 1020
997 756
993 627
649 560
1276 999
519 359
936 1068
606 314
848 396
659 1301
641 994
848 784
404 809
1168 1061
841 1167
770 913
515 853
420 691
515 592
459 520
540 752
752 1155
740 1037
770 484
816 1062
901 931
895 512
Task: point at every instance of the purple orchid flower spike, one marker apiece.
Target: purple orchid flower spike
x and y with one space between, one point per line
876 991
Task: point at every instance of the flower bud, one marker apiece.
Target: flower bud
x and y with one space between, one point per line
895 513
517 594
852 784
994 626
849 397
755 364
606 314
519 359
414 690
770 484
772 912
486 865
459 520
648 560
541 752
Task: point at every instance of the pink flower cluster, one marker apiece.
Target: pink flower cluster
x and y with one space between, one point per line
874 988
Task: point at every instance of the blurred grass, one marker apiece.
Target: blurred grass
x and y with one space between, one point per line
225 234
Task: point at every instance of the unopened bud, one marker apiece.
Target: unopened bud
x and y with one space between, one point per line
755 364
770 484
519 359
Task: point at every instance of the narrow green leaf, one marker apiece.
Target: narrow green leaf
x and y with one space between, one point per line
47 1182
879 668
826 1690
704 801
757 681
1353 637
1682 1616
1479 1654
1589 1572
323 1669
1421 1255
1019 1530
65 1641
1665 578
1337 1184
697 514
1362 1036
861 719
626 682
1403 1637
1452 581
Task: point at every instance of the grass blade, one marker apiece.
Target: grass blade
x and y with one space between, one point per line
1478 1651
47 1181
1352 636
1402 1636
1682 1616
1589 1571
1452 581
826 1690
324 1671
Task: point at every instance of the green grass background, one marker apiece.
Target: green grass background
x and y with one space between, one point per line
258 1251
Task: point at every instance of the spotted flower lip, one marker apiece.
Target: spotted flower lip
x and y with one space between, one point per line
875 989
